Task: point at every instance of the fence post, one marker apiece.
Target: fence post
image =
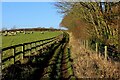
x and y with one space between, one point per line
97 48
39 45
36 43
22 55
14 55
80 42
28 47
87 44
83 43
42 45
35 47
106 53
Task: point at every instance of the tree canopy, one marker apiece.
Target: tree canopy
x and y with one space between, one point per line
91 20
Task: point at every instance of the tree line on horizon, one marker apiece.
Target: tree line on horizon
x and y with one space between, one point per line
32 29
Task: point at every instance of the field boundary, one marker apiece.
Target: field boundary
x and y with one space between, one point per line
39 45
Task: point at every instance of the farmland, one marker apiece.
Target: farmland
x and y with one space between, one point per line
86 45
23 38
49 59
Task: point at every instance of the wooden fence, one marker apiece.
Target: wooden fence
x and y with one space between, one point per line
105 51
36 45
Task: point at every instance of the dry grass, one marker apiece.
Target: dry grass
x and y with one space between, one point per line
87 64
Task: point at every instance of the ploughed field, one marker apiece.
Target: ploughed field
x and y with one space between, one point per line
40 56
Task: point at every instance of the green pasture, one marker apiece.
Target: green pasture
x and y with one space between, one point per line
24 38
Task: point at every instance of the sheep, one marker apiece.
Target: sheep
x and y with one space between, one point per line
9 33
21 31
12 33
24 32
31 32
17 31
4 34
42 32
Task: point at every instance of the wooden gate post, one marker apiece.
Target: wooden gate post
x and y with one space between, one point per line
106 53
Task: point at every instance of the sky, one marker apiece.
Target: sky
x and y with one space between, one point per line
30 15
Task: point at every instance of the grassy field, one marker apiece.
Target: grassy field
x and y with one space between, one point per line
53 63
23 38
